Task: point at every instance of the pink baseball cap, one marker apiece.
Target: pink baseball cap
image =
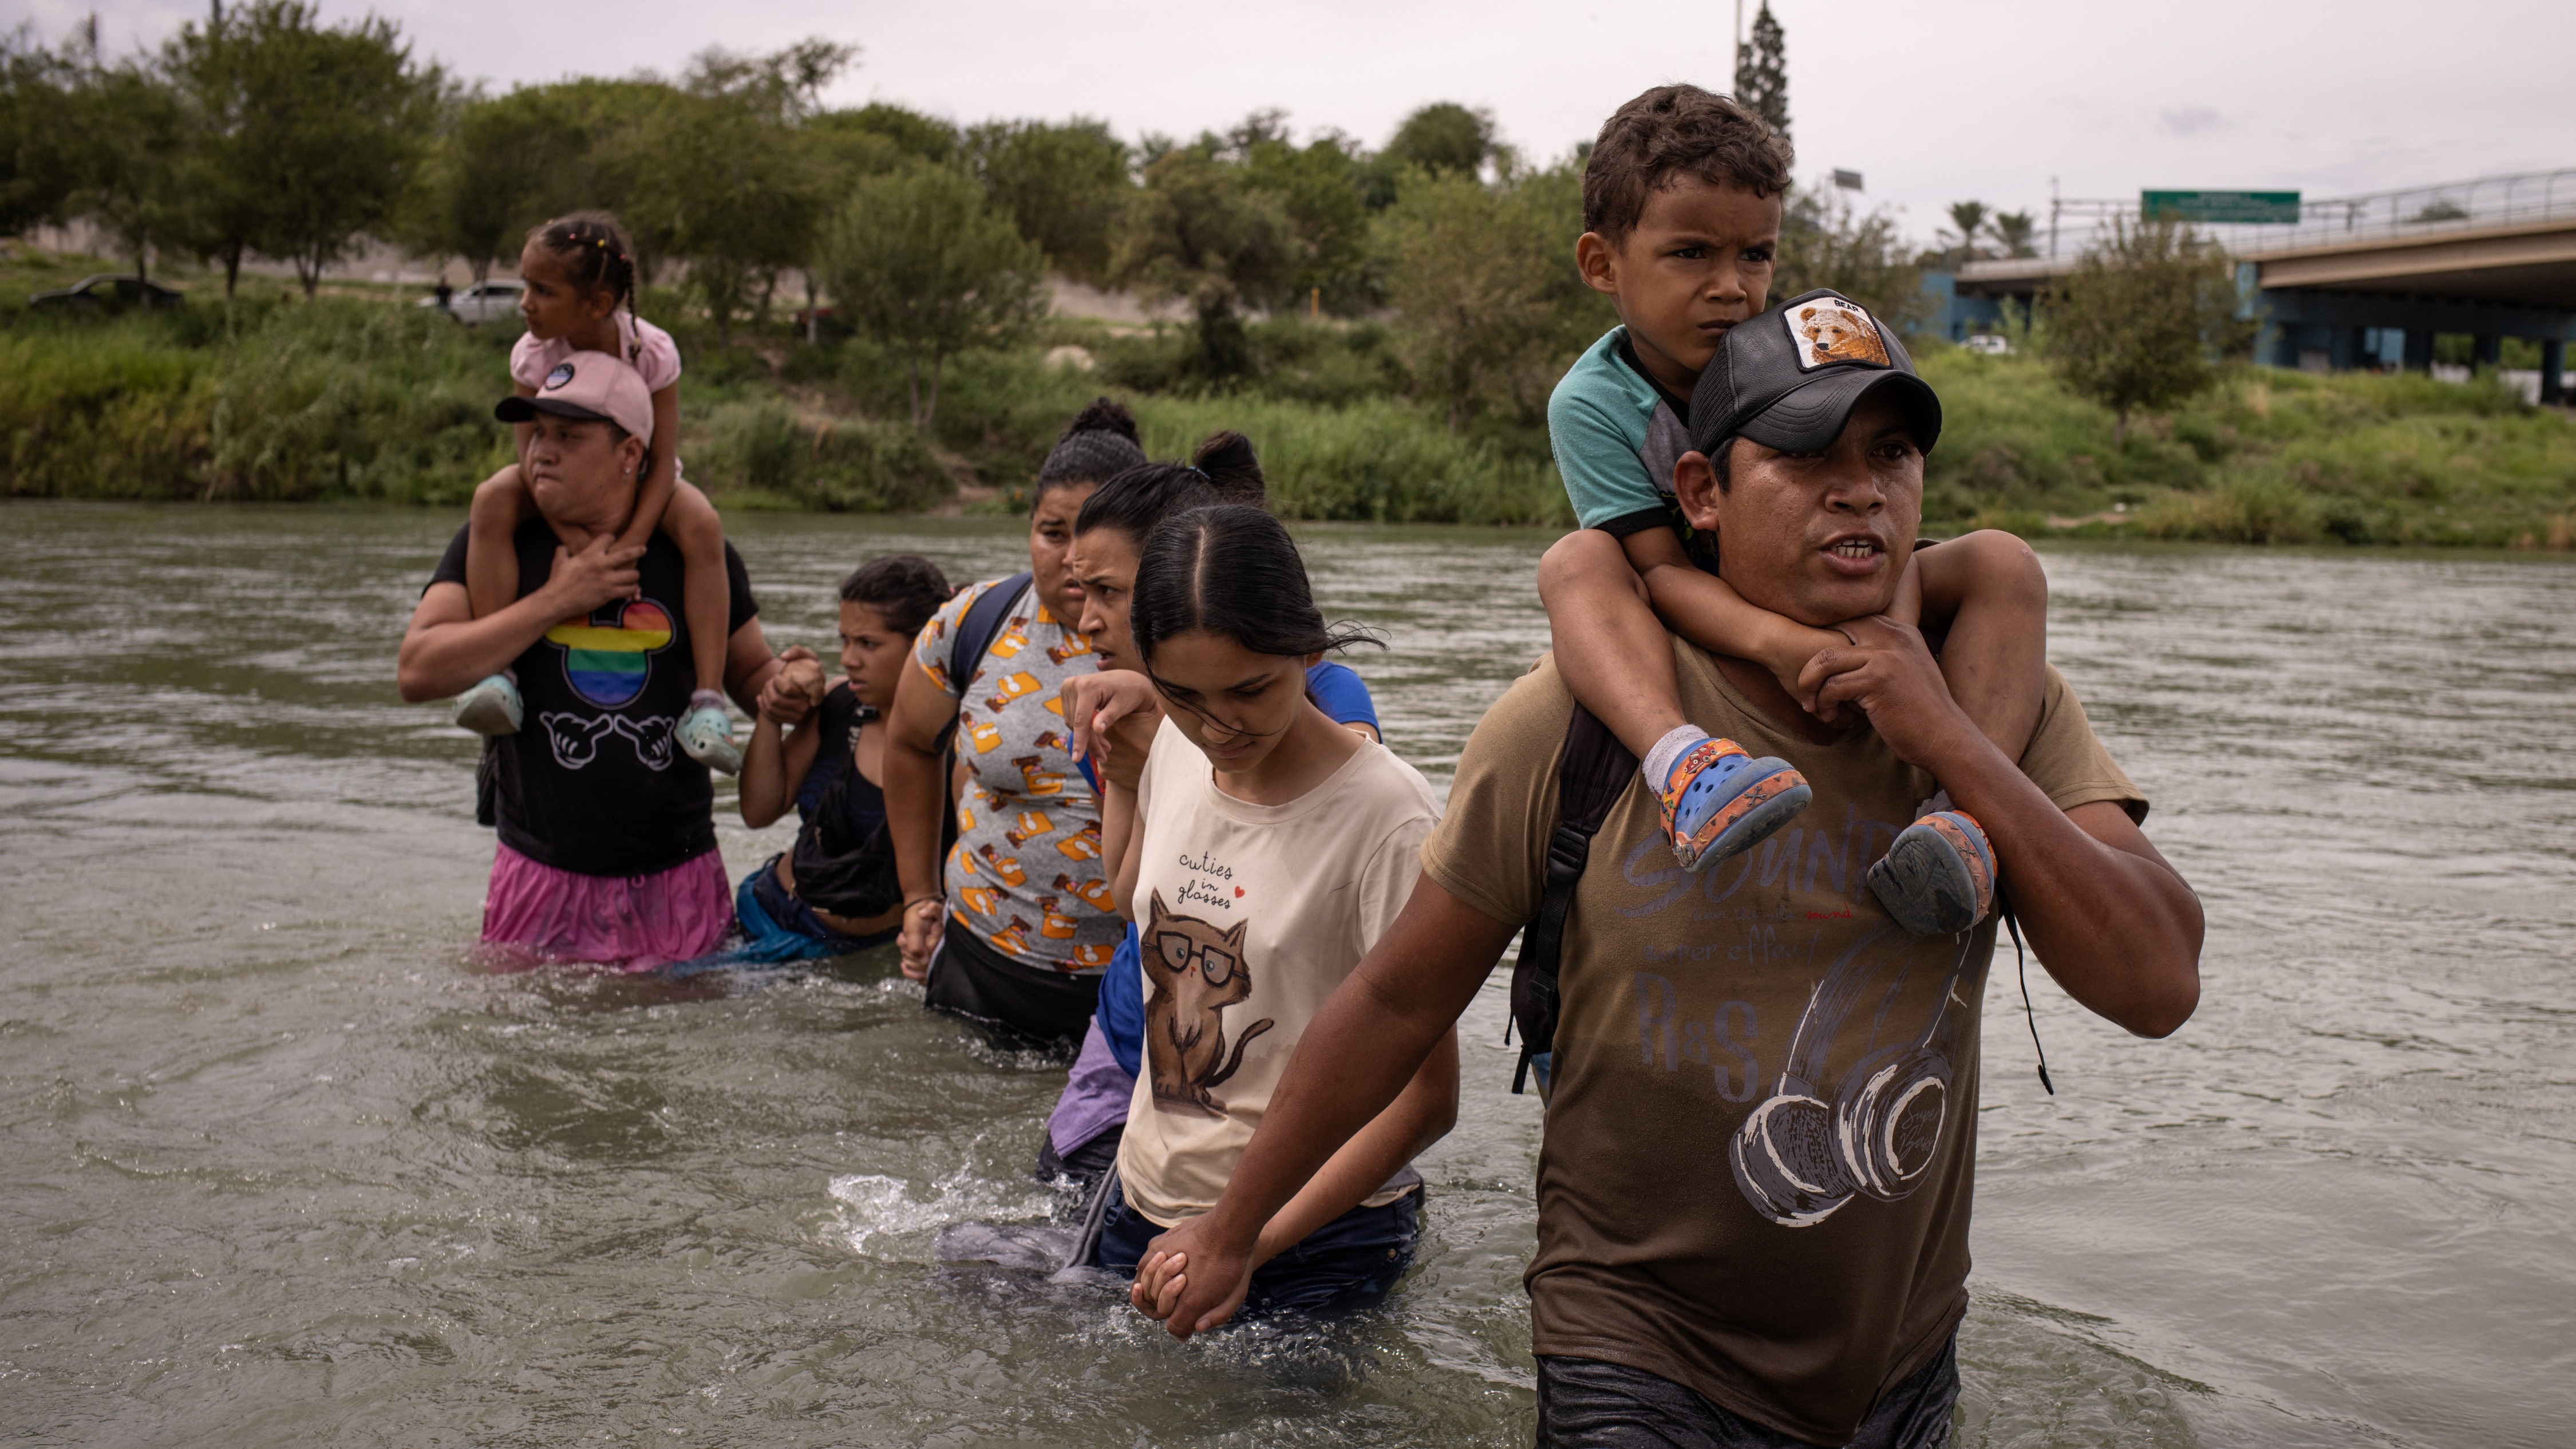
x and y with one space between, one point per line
592 385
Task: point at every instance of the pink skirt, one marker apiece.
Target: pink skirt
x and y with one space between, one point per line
634 921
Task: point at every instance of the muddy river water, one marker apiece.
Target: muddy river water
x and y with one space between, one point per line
280 1164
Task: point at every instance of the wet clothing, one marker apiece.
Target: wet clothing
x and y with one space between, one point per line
1025 877
1250 916
593 782
793 913
1761 1125
844 855
1585 1403
1354 1258
1616 434
1097 1091
1018 1007
638 921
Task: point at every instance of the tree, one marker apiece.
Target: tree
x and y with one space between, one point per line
1321 187
126 125
483 182
921 262
302 137
1443 138
1468 269
1064 186
1826 242
37 172
1762 73
1196 232
2012 231
726 177
1967 218
2145 320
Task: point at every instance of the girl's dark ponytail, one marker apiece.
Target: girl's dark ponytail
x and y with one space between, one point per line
593 248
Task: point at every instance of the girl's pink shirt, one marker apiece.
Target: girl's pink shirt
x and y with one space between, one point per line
647 348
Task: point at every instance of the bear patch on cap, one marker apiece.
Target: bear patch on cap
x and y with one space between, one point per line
1834 329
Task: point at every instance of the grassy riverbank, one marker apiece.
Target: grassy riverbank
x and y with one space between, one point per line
361 396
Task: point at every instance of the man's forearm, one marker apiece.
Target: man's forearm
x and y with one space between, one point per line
1420 1115
446 658
2110 920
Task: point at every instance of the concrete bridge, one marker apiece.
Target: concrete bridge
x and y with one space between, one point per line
2369 281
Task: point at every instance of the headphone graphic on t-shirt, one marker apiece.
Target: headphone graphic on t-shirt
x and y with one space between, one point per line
1801 1154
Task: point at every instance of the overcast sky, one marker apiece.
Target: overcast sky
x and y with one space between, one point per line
1931 103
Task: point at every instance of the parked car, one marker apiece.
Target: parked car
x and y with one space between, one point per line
1990 344
482 302
107 293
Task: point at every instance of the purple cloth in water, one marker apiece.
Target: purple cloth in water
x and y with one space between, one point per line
1096 1094
637 922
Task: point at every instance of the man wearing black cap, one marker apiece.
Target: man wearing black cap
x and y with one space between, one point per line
1755 1184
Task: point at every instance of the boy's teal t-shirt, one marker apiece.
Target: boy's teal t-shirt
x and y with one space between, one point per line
1616 437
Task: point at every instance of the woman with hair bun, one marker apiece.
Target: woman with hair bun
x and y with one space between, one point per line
1261 851
1012 927
1081 1137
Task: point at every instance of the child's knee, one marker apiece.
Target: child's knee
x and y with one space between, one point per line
2007 570
691 520
1584 561
502 490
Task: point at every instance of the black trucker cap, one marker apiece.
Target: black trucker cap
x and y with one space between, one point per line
1789 377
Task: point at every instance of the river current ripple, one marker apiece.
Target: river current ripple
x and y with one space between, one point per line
285 1165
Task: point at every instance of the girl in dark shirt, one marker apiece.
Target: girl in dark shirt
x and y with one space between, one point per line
836 890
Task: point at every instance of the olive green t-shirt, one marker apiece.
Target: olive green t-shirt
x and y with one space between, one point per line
1761 1126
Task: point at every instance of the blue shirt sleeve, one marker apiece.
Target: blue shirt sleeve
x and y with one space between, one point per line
1596 423
1121 1012
1342 694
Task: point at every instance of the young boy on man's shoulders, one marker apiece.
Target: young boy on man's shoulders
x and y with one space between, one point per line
1682 204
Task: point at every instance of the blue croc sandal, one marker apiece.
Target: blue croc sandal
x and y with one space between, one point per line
705 733
1720 801
491 707
1938 878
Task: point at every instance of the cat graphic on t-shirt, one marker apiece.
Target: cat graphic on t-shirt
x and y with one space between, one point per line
1198 971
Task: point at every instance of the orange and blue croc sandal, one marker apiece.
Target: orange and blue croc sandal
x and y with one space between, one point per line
1720 801
1938 878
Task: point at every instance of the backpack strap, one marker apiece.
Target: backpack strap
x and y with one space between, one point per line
982 625
1592 771
977 631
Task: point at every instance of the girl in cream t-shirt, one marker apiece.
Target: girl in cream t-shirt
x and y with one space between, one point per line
1264 850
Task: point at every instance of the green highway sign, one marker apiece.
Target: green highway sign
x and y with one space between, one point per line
2253 206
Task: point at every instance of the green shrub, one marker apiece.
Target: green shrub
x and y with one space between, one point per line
768 456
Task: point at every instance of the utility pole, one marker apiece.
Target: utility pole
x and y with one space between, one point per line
2052 218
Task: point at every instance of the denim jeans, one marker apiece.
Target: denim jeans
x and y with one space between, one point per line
1587 1404
1354 1258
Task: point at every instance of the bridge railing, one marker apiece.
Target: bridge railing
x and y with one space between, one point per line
2475 204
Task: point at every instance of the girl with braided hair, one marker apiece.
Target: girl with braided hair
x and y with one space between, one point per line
579 296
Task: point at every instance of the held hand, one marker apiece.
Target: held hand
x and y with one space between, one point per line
796 689
602 571
924 922
1200 1282
1887 674
1788 652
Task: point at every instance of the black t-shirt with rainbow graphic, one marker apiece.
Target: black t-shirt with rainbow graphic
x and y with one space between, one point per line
593 782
